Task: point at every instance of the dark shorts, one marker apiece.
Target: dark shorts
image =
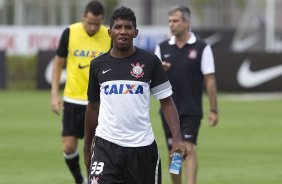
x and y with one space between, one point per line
73 120
189 126
113 164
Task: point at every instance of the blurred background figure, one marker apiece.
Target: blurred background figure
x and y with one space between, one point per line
189 64
80 43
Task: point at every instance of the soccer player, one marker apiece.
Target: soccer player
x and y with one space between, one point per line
79 44
120 83
189 63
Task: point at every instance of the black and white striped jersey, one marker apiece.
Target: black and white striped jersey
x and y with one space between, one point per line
123 86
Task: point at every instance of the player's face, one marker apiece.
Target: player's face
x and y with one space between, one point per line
177 25
92 23
122 34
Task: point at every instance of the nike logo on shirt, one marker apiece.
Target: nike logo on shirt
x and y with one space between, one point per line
188 136
248 78
166 55
105 71
81 66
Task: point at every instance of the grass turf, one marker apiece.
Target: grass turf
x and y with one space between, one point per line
244 148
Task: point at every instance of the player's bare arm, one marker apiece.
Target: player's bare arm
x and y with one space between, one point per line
56 101
91 122
172 119
212 95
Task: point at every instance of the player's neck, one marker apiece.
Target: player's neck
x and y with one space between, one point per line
120 53
181 40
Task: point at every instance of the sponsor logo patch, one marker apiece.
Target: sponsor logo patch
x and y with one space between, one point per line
86 53
123 89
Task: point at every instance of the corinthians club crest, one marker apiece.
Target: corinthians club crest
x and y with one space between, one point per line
94 180
192 54
137 70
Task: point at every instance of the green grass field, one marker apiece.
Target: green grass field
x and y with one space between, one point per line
244 148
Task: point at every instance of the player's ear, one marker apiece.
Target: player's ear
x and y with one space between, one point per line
83 16
102 17
187 23
136 33
109 32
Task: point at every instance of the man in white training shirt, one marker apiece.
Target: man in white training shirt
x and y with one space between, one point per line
120 84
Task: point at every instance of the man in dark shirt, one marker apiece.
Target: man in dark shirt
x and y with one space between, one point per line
189 63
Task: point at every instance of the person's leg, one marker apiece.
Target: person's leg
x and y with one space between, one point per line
191 164
142 165
107 163
73 129
190 128
175 179
72 158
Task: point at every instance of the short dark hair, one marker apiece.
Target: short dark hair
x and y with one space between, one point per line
123 13
95 7
186 13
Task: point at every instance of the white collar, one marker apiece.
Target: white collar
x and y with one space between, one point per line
191 40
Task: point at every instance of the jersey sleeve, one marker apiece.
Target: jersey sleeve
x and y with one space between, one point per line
158 52
93 85
160 85
62 50
207 64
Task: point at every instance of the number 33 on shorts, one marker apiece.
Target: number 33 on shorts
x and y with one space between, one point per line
97 168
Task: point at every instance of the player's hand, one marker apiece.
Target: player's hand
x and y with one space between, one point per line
213 119
56 104
87 160
166 65
180 148
87 154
